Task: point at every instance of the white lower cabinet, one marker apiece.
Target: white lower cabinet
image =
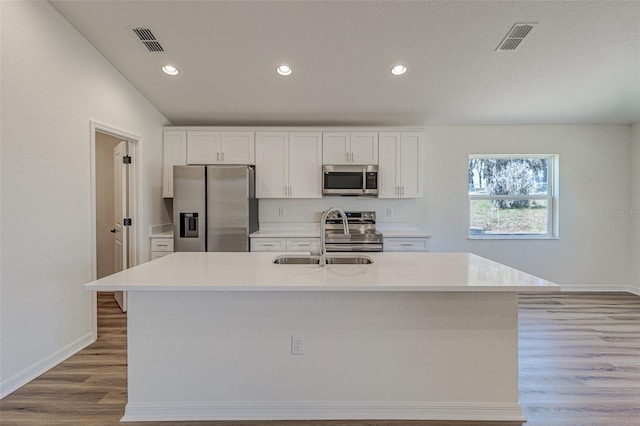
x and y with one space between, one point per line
285 244
161 247
406 244
268 244
303 244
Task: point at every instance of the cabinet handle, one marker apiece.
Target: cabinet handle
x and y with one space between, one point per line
402 190
289 190
406 244
162 245
397 190
352 157
217 156
346 156
267 245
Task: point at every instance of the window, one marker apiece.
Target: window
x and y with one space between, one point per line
512 196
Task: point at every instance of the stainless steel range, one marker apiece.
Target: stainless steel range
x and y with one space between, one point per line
363 235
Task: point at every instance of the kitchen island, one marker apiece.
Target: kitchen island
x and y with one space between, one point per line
232 336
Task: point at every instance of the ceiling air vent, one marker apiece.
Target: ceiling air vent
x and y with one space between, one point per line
148 39
514 37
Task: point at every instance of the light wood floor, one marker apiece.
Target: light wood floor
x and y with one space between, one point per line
579 365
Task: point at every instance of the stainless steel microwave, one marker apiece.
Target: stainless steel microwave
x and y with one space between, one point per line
350 180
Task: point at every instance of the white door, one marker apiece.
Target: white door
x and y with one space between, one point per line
336 148
120 206
364 148
237 147
389 168
411 165
305 165
272 170
203 147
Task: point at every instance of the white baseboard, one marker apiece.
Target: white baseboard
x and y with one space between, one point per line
600 288
324 410
28 374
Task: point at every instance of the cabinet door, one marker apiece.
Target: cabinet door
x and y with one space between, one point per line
272 159
174 153
303 244
237 148
336 148
268 244
411 165
389 167
364 148
203 147
305 165
406 244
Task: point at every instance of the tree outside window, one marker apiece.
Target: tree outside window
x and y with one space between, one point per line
511 196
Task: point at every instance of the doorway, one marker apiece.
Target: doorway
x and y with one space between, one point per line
115 204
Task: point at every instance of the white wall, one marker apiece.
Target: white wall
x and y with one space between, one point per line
635 207
53 83
592 251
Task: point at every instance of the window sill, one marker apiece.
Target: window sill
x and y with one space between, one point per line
512 237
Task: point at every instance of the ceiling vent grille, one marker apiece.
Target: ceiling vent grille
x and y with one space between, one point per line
148 39
514 37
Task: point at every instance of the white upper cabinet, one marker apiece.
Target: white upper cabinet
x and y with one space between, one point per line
350 148
400 172
305 165
211 147
237 147
174 153
288 165
272 160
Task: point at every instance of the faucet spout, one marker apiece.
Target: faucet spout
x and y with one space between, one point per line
323 227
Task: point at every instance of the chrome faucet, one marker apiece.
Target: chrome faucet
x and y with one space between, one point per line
323 228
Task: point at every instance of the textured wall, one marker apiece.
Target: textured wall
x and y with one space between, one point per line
53 83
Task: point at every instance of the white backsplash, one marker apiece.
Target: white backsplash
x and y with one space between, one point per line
411 211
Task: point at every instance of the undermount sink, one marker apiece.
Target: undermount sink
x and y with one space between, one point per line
331 260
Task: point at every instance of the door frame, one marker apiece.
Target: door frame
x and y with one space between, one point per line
135 202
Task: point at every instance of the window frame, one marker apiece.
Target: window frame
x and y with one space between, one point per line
551 197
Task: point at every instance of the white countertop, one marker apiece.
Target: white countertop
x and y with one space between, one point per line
164 234
255 272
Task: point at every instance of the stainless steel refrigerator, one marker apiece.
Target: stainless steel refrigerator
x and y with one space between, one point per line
214 208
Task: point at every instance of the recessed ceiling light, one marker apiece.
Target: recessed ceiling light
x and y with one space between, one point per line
284 70
398 69
170 69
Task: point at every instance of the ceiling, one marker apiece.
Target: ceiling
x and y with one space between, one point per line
580 63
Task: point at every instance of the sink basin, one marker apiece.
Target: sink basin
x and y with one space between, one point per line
331 260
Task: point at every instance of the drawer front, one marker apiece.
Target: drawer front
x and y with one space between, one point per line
268 244
162 244
406 244
303 244
157 254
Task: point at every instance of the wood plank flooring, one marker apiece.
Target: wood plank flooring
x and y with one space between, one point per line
579 365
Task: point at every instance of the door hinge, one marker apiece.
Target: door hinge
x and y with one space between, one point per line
126 159
126 221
